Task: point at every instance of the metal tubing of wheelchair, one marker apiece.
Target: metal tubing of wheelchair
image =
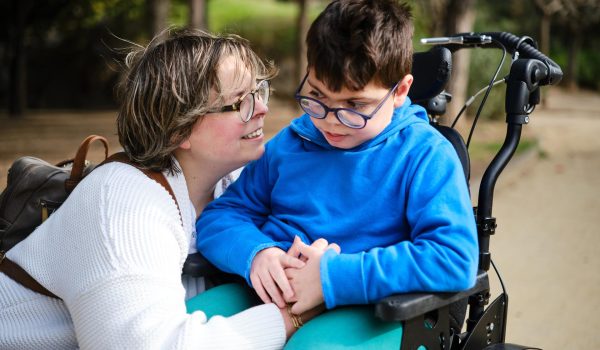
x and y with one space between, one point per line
522 89
486 190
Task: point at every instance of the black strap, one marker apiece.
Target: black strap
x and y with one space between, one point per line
19 275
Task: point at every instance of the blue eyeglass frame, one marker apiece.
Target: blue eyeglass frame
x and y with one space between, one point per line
335 111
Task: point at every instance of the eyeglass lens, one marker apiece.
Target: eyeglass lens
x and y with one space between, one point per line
317 110
247 104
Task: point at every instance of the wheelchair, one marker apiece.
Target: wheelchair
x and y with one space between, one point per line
435 321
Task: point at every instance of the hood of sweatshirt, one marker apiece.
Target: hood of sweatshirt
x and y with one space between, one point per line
403 116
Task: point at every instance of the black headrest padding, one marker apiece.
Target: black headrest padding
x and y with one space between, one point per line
431 71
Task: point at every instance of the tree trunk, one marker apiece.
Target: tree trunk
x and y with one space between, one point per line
302 26
436 11
460 16
17 89
547 9
159 16
570 80
198 14
544 44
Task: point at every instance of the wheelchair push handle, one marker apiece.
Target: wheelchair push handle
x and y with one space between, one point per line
521 47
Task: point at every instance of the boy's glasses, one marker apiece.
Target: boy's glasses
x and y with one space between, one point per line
245 105
349 117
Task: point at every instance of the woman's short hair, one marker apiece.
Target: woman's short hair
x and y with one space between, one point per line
355 41
166 88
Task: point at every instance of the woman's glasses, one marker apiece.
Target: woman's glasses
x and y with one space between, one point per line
245 105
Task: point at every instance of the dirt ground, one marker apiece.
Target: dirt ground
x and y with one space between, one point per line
547 242
55 135
547 205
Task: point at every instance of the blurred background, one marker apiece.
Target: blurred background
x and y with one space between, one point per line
60 61
66 54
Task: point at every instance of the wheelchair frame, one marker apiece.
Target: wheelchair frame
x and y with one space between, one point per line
426 317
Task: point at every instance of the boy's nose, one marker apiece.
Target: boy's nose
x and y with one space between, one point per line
331 118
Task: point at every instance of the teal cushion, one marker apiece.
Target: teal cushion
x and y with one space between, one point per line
354 327
224 300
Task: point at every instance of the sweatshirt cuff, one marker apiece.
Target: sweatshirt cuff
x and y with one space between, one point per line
341 279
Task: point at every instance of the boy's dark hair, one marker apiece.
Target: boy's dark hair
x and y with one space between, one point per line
355 41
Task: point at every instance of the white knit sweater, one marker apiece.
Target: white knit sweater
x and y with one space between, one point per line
114 252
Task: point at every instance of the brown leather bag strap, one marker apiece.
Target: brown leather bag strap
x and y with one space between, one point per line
79 161
21 276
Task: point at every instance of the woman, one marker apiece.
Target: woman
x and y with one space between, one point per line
193 107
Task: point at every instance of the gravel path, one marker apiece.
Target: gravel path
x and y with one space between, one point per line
547 242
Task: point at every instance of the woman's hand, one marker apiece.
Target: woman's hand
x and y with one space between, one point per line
290 329
306 281
268 276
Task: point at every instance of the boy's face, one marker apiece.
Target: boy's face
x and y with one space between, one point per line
364 101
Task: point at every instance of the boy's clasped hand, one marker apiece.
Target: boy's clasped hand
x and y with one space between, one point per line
291 277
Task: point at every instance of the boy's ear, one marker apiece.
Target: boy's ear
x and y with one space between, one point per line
402 90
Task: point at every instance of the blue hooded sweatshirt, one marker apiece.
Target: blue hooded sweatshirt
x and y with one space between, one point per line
397 205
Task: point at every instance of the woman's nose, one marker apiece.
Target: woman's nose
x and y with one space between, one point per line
260 108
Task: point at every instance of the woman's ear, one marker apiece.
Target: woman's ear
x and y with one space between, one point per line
186 144
402 90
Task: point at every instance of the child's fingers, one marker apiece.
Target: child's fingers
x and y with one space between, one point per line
273 291
260 290
308 251
334 247
283 283
293 251
289 261
320 244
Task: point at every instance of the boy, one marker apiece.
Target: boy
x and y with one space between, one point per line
362 168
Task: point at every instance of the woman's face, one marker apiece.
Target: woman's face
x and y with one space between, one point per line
223 139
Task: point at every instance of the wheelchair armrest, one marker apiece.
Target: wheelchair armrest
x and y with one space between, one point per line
196 265
403 307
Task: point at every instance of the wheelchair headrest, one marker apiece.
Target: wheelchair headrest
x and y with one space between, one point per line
431 71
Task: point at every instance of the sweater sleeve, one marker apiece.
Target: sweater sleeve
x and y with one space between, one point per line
228 229
441 254
135 299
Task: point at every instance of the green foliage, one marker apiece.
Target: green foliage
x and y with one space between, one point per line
269 25
589 69
70 50
499 16
71 44
484 63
